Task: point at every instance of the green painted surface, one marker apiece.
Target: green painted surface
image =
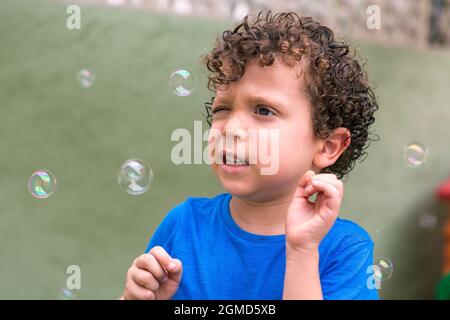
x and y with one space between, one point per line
47 121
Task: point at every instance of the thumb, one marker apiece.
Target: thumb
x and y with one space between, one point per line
299 197
168 288
176 273
300 201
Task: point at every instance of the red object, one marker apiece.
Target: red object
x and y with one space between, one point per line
443 191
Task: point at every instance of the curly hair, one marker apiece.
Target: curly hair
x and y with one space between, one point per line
336 83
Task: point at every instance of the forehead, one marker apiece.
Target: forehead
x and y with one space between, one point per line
279 81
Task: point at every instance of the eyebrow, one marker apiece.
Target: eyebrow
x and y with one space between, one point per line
270 101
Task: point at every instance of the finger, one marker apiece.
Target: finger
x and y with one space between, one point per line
145 279
300 190
134 291
327 177
331 179
305 178
328 189
176 275
164 259
149 263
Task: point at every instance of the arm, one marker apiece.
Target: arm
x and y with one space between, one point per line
306 225
304 284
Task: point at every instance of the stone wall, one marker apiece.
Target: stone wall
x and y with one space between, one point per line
420 23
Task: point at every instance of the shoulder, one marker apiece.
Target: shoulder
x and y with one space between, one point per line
346 260
344 235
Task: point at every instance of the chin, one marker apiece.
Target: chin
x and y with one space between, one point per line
237 188
250 186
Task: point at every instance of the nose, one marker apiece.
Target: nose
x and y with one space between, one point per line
235 129
238 133
236 140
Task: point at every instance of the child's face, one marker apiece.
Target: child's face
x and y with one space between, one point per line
269 99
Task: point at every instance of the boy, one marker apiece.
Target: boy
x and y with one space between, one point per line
265 238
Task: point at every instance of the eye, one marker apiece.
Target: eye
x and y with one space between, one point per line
263 110
217 109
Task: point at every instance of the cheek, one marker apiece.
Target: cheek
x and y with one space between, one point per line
214 140
296 150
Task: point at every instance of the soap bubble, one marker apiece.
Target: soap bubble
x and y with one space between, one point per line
42 184
428 221
183 82
85 78
135 177
66 294
383 269
415 155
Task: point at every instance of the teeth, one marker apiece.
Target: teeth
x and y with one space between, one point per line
231 160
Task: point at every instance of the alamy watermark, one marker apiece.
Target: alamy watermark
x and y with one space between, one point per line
73 281
374 17
73 21
233 146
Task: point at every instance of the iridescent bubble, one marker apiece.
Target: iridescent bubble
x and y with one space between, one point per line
415 155
67 294
42 184
135 177
428 221
383 269
85 78
183 82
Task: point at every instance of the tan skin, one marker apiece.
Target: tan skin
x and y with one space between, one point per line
268 98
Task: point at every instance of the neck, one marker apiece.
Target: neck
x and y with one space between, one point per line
261 217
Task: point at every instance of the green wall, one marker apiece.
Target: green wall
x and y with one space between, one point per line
47 121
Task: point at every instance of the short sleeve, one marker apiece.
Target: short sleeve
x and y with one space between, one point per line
166 229
348 273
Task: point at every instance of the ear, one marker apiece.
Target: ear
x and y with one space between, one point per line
332 147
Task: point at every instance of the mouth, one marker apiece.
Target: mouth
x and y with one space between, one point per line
231 159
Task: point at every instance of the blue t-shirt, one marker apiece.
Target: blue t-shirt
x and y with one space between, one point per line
223 261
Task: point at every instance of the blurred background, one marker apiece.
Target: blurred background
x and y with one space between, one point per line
80 98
